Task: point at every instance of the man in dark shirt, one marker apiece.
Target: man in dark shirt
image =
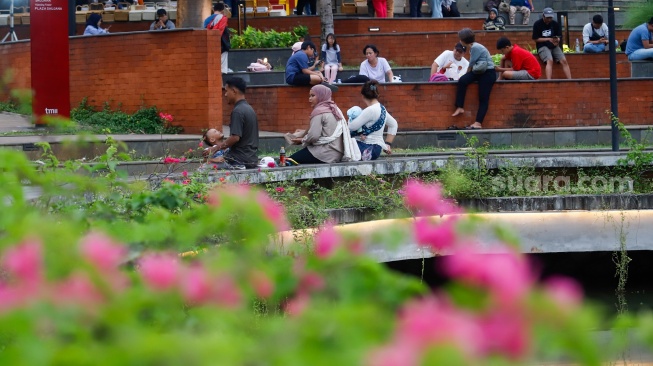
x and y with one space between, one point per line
243 139
546 34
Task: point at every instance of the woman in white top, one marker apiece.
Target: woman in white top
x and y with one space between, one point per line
93 25
368 127
375 67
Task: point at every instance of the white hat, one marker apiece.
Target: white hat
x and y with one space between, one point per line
265 162
354 112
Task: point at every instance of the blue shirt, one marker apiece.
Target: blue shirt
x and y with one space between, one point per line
637 38
296 63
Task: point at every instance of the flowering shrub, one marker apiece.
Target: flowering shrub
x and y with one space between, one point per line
208 283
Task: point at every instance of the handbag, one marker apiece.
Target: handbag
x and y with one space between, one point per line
479 67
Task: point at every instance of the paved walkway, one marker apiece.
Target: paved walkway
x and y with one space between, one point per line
12 122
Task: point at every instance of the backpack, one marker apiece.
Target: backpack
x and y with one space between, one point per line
220 24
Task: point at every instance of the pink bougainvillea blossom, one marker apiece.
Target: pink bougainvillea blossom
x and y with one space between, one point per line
566 292
160 271
326 241
166 117
184 174
102 251
280 189
226 293
437 237
273 211
201 144
309 282
262 284
196 286
185 182
506 274
505 332
25 262
296 306
171 160
426 199
395 354
76 290
271 164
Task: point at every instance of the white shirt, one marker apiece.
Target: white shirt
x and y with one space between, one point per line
92 31
368 117
457 69
375 73
587 31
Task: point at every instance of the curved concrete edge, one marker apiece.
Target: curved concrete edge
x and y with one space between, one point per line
549 232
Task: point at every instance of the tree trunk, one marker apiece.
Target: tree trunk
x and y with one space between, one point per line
191 13
326 18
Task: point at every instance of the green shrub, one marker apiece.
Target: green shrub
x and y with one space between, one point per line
638 14
255 38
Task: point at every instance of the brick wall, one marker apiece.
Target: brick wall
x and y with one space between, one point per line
177 71
428 106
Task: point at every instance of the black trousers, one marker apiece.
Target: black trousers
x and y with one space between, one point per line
304 156
452 12
486 81
415 8
301 4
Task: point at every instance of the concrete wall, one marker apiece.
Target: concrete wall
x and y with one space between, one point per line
428 106
177 71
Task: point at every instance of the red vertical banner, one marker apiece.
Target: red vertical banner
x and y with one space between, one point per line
50 58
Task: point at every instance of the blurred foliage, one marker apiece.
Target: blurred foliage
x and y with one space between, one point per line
255 38
638 14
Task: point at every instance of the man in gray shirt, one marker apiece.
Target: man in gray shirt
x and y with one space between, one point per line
243 139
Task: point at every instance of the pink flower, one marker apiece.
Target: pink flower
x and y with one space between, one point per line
429 322
280 189
272 211
103 252
297 305
185 182
25 262
506 274
183 158
395 354
564 291
226 292
271 164
221 179
196 285
77 290
201 144
160 271
184 174
215 167
262 284
168 180
326 241
309 282
505 332
436 237
171 160
427 199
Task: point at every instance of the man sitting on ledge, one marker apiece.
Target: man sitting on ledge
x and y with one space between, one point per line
595 36
640 42
517 63
298 73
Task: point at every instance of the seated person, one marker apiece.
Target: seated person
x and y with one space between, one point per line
260 65
93 25
523 6
210 139
298 72
523 64
493 22
450 64
595 36
640 42
162 22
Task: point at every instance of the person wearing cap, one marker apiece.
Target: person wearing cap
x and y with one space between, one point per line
298 71
162 22
595 36
546 34
243 140
452 64
493 22
640 42
523 6
323 142
516 63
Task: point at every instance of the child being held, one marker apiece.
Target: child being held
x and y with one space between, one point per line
493 22
211 138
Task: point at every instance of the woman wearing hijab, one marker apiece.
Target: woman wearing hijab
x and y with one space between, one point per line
368 127
325 142
93 25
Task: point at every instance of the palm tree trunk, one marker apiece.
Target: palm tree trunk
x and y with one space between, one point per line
326 17
191 13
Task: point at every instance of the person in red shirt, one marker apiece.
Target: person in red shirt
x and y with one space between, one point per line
523 64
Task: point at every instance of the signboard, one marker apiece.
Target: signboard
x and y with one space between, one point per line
50 58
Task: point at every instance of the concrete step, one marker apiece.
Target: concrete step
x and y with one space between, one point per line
157 146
